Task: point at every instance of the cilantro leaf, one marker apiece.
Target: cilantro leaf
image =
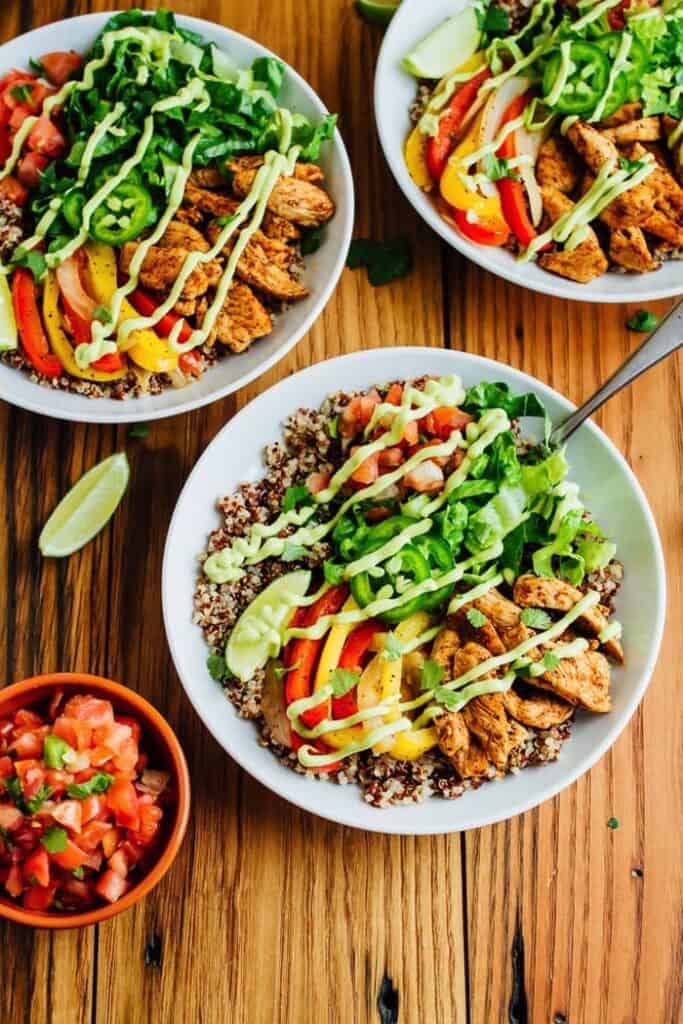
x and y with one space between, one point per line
384 261
79 872
431 675
393 648
36 802
36 66
496 168
342 680
217 667
55 839
536 618
630 166
292 552
448 698
297 494
22 93
31 259
495 21
498 396
99 783
613 823
139 430
643 321
549 661
13 789
476 618
102 314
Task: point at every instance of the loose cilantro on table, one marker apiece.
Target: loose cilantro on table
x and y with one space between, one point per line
384 261
613 823
139 430
643 321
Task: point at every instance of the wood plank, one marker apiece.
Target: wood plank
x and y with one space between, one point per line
599 936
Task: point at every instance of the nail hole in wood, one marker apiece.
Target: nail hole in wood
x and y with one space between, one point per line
153 952
387 1001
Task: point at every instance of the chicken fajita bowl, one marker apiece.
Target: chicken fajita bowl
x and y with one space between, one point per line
175 206
413 598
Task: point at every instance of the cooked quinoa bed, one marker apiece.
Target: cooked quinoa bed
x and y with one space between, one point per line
306 448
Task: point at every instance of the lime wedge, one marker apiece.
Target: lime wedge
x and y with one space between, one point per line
8 325
378 12
257 635
446 48
87 507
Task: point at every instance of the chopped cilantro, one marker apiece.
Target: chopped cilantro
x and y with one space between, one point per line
643 321
31 259
22 93
99 783
36 802
630 166
431 675
293 552
385 261
342 680
449 699
79 872
54 749
297 494
494 21
496 168
218 670
549 661
536 618
55 839
333 572
393 648
613 823
476 618
13 788
139 430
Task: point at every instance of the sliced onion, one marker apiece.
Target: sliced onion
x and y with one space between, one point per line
529 144
496 105
71 287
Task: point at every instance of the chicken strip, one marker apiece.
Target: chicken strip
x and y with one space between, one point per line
626 112
628 210
299 201
581 264
208 177
243 319
459 746
487 719
664 227
548 592
260 266
558 165
467 657
446 643
595 149
583 680
645 129
311 173
628 248
537 709
277 252
670 124
161 268
185 307
486 634
217 204
502 613
279 228
183 236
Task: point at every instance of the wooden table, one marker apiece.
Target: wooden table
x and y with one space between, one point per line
270 915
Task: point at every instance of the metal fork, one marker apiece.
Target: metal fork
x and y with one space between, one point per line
663 342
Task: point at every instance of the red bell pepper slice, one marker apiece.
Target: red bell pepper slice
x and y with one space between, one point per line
190 362
81 332
512 194
476 232
303 654
355 648
145 305
31 333
441 146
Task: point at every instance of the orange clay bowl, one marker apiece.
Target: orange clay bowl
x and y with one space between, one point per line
166 753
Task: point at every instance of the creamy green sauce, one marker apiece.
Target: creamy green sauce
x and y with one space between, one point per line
476 592
618 65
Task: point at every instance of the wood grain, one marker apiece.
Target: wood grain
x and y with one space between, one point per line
270 915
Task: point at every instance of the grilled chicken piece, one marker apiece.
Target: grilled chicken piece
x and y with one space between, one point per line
459 746
279 253
645 129
514 636
208 177
214 203
547 592
584 262
259 266
628 248
627 112
446 643
558 165
299 201
161 268
501 612
279 228
243 319
595 149
190 215
185 307
487 719
670 124
537 709
468 657
311 173
628 210
664 227
582 680
486 634
183 236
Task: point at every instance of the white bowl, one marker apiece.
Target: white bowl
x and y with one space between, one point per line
394 93
612 493
323 269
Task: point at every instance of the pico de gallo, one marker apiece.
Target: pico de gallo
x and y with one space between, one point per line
555 130
81 809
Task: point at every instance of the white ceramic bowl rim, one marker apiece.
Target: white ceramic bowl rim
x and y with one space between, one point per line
15 385
395 91
435 815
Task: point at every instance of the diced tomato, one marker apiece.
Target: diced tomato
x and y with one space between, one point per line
46 138
36 867
14 883
13 190
94 860
39 899
69 814
425 478
31 169
6 767
390 458
32 781
111 886
74 732
110 840
356 415
394 394
134 853
368 471
75 893
150 817
11 818
191 363
411 432
92 835
123 801
132 724
72 857
99 756
93 807
127 758
93 710
443 421
118 862
112 735
60 66
18 92
317 482
28 744
14 77
25 717
58 780
17 117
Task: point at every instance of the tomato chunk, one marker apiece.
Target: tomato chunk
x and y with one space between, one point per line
36 868
46 138
70 858
111 886
61 65
123 801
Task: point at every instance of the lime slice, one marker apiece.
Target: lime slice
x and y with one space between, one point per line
446 48
378 12
87 507
257 635
8 325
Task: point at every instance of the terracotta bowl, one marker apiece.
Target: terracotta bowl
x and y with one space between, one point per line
167 754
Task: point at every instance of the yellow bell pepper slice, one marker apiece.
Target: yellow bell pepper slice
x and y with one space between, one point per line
413 743
487 209
391 671
59 341
334 645
144 347
416 161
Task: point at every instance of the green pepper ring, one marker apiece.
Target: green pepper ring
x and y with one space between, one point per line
440 556
638 56
583 55
72 209
129 201
417 567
